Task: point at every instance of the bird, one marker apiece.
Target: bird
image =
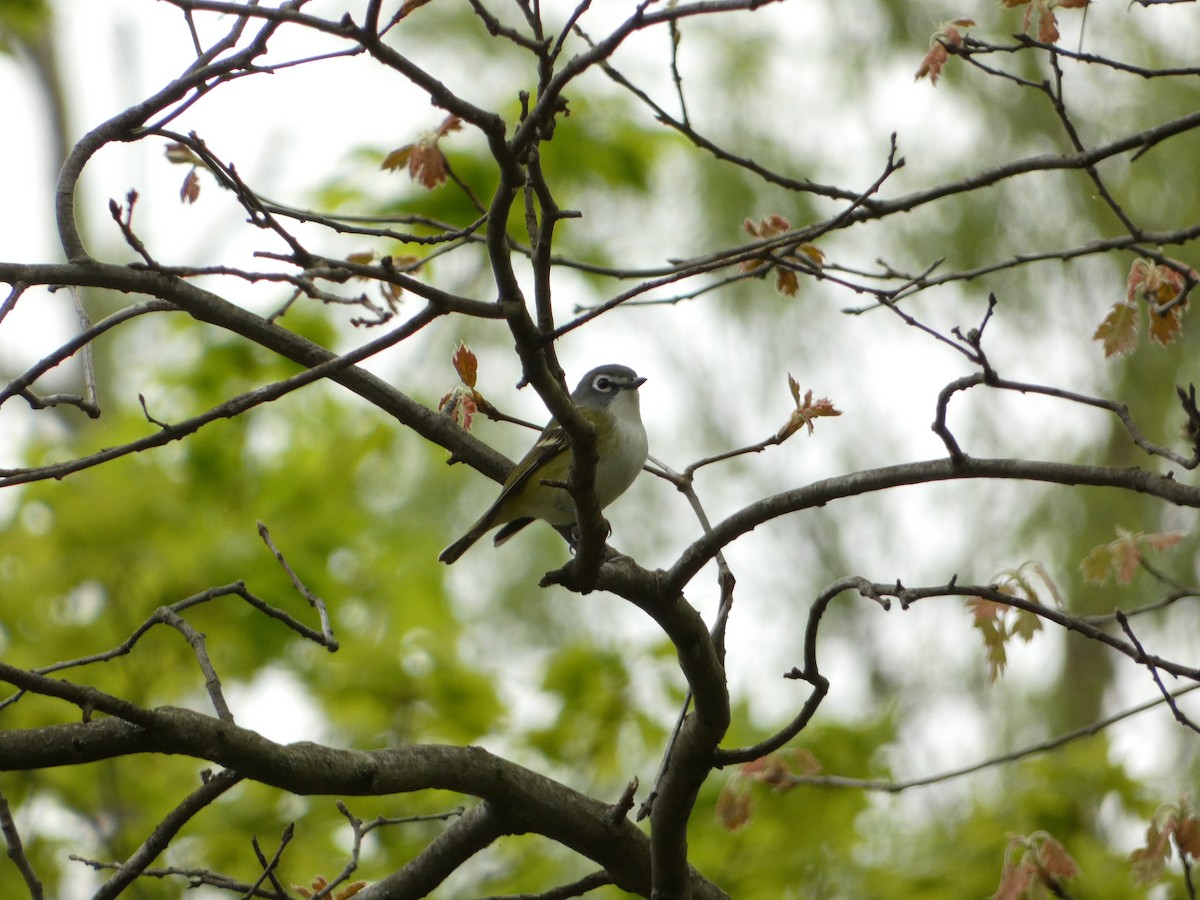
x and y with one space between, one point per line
607 398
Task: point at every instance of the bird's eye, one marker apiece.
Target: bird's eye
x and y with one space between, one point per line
603 383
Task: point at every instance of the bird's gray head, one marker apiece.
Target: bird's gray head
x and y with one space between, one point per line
604 384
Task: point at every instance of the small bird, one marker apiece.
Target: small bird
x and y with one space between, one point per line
607 398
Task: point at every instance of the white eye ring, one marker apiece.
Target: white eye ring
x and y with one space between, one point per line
603 384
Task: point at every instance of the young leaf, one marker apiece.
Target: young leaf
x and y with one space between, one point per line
1034 865
1123 556
988 618
182 155
806 410
426 162
948 35
189 191
1054 860
397 159
771 226
1118 332
466 364
1165 326
1048 28
1026 624
1096 565
459 403
1150 860
734 805
786 282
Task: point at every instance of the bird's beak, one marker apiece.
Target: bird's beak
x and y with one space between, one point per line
636 383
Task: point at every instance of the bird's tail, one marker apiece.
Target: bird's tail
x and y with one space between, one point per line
461 546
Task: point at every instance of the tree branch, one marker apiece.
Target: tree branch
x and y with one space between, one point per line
154 845
822 492
532 802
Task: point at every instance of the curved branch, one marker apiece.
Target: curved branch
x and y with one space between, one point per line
868 481
123 125
205 306
475 830
810 674
895 787
167 829
1137 142
692 754
16 851
531 802
19 385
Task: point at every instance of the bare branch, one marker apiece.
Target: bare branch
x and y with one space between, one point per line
1145 659
171 615
543 805
313 600
867 481
154 845
895 787
16 851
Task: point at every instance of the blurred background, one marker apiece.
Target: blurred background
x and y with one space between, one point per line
584 688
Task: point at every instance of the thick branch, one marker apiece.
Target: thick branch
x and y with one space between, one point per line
206 306
929 471
474 831
531 802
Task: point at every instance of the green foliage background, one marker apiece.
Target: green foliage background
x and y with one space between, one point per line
578 687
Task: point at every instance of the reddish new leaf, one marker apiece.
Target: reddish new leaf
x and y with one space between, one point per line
1054 860
1165 327
428 165
933 62
786 282
189 191
1150 860
408 6
1163 540
771 226
459 404
1187 834
1031 865
424 159
806 410
734 806
988 619
948 35
466 364
1126 556
397 159
1122 556
449 125
1048 28
462 401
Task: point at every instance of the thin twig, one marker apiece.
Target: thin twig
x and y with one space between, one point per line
16 851
154 845
1145 659
314 601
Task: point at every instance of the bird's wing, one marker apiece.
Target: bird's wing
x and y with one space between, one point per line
550 443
